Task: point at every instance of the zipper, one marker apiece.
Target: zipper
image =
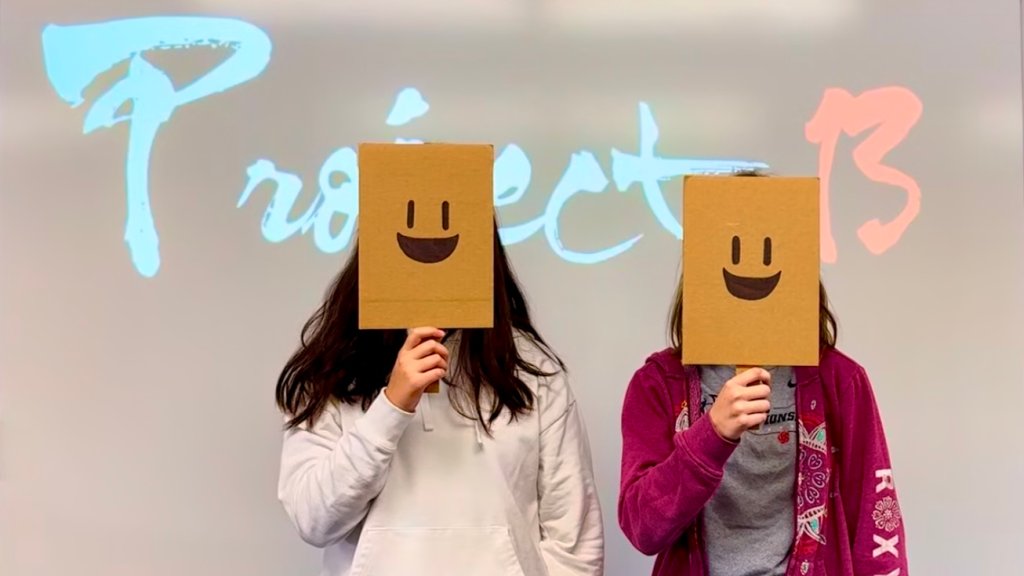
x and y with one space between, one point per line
796 480
697 540
699 537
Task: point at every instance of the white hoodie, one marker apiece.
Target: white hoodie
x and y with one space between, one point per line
391 493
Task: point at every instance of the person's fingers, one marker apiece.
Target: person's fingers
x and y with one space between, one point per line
750 377
415 336
426 348
754 392
754 407
749 421
425 379
430 362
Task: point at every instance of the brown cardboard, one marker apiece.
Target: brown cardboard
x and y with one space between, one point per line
412 271
732 314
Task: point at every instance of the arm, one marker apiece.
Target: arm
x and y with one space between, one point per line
667 476
877 538
571 529
329 476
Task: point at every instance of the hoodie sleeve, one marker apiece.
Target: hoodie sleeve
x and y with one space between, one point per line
667 476
877 538
329 476
571 528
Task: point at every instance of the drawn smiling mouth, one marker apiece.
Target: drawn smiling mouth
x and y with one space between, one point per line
748 288
428 250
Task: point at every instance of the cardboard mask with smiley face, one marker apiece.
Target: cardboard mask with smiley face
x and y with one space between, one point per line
426 235
750 270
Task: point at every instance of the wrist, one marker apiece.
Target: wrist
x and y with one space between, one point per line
401 401
706 447
722 434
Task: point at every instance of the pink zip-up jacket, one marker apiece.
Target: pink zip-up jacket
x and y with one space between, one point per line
848 517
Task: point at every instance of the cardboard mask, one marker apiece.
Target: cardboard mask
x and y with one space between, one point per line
426 235
750 270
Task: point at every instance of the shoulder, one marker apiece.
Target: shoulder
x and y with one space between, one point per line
659 370
535 353
328 423
657 388
544 359
554 394
837 367
843 376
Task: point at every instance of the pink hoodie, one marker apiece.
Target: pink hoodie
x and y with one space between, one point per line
848 517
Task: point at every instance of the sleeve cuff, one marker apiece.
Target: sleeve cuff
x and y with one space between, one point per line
707 447
384 423
384 395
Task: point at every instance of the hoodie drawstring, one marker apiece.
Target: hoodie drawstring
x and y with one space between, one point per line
426 411
428 415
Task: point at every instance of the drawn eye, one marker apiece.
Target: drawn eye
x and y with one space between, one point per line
767 251
410 214
444 214
735 250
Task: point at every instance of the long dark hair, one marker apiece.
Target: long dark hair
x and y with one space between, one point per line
335 359
828 330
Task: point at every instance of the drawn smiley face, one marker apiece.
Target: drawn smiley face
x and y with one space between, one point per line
750 270
751 287
431 249
427 233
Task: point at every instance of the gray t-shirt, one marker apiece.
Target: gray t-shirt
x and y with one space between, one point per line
749 521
